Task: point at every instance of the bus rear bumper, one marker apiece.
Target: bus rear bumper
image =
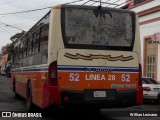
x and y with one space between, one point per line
113 98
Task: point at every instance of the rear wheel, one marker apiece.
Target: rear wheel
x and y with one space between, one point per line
30 105
14 90
158 101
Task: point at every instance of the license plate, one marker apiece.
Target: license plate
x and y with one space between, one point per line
99 93
156 89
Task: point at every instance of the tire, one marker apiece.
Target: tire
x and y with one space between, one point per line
158 101
17 96
29 104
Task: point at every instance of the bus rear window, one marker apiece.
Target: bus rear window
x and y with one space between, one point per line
93 28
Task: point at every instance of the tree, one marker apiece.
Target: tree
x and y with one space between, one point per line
9 51
15 37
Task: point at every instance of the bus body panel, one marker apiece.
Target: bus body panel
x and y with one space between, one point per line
87 71
83 69
38 78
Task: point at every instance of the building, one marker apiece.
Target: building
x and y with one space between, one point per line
149 21
3 63
4 50
3 59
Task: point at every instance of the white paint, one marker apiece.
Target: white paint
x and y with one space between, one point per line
150 28
158 71
149 17
95 77
146 6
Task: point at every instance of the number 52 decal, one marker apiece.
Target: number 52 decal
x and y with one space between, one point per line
125 77
73 77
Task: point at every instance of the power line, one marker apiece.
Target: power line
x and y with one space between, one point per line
95 1
107 2
73 2
11 26
86 2
113 3
15 20
26 11
3 29
124 3
8 2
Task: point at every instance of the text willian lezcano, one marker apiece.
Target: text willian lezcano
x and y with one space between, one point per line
143 115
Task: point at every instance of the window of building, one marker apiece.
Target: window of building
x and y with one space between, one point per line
150 58
151 66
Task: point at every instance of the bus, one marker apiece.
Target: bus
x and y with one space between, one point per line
79 55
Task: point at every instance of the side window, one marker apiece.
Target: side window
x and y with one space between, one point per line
26 45
44 42
34 43
30 45
18 52
37 41
23 47
14 55
33 47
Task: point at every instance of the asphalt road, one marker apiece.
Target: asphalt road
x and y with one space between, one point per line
10 104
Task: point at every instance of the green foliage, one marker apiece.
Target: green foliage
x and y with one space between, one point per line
15 37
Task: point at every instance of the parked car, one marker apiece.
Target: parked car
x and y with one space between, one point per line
159 97
151 89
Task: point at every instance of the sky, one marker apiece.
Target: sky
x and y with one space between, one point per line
24 21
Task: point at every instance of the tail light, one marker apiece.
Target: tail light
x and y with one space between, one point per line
146 89
140 75
139 99
52 74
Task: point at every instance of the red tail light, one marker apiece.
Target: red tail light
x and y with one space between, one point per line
140 75
52 74
146 89
139 99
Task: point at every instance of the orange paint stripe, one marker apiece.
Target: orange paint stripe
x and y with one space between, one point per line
85 83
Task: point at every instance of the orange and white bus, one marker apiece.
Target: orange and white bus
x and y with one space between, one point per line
79 55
